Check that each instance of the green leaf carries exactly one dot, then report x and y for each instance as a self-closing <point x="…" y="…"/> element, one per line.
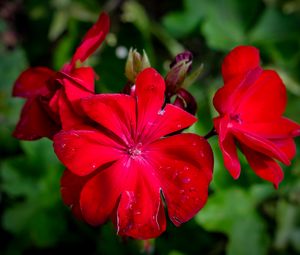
<point x="223" y="27"/>
<point x="274" y="27"/>
<point x="58" y="25"/>
<point x="248" y="237"/>
<point x="233" y="212"/>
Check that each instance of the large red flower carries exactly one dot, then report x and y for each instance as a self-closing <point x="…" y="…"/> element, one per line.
<point x="131" y="166"/>
<point x="251" y="104"/>
<point x="53" y="97"/>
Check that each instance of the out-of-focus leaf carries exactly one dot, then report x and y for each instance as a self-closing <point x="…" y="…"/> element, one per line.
<point x="135" y="13"/>
<point x="58" y="25"/>
<point x="16" y="218"/>
<point x="222" y="27"/>
<point x="179" y="24"/>
<point x="11" y="65"/>
<point x="13" y="183"/>
<point x="233" y="212"/>
<point x="274" y="26"/>
<point x="287" y="217"/>
<point x="248" y="237"/>
<point x="32" y="182"/>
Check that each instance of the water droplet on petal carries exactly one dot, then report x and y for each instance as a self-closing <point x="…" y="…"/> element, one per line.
<point x="186" y="168"/>
<point x="186" y="180"/>
<point x="174" y="176"/>
<point x="194" y="143"/>
<point x="93" y="166"/>
<point x="161" y="112"/>
<point x="192" y="189"/>
<point x="63" y="145"/>
<point x="179" y="125"/>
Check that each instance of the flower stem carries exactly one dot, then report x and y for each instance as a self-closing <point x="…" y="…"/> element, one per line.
<point x="210" y="134"/>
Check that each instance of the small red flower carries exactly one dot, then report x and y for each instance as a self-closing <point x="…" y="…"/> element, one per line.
<point x="251" y="104"/>
<point x="52" y="97"/>
<point x="131" y="166"/>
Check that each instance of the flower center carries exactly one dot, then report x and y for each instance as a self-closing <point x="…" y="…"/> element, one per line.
<point x="135" y="150"/>
<point x="236" y="118"/>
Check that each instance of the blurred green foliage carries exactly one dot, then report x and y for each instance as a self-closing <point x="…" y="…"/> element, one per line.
<point x="243" y="217"/>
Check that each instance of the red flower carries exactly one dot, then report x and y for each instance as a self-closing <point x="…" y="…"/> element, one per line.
<point x="124" y="168"/>
<point x="52" y="97"/>
<point x="251" y="104"/>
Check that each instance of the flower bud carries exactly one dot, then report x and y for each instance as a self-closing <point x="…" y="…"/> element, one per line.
<point x="180" y="67"/>
<point x="135" y="64"/>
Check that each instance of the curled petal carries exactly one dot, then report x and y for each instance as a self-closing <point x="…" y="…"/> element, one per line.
<point x="32" y="82"/>
<point x="261" y="145"/>
<point x="35" y="122"/>
<point x="287" y="146"/>
<point x="280" y="128"/>
<point x="264" y="166"/>
<point x="92" y="39"/>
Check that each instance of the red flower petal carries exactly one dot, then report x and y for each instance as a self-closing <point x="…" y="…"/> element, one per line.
<point x="140" y="212"/>
<point x="228" y="146"/>
<point x="84" y="77"/>
<point x="74" y="94"/>
<point x="261" y="145"/>
<point x="71" y="186"/>
<point x="239" y="61"/>
<point x="150" y="89"/>
<point x="265" y="100"/>
<point x="287" y="146"/>
<point x="277" y="129"/>
<point x="100" y="194"/>
<point x="168" y="120"/>
<point x="83" y="151"/>
<point x="264" y="166"/>
<point x="32" y="82"/>
<point x="229" y="153"/>
<point x="229" y="97"/>
<point x="183" y="164"/>
<point x="35" y="122"/>
<point x="116" y="112"/>
<point x="69" y="118"/>
<point x="92" y="39"/>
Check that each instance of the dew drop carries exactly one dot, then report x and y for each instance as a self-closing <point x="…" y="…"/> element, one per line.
<point x="161" y="112"/>
<point x="192" y="189"/>
<point x="186" y="168"/>
<point x="93" y="166"/>
<point x="63" y="145"/>
<point x="137" y="213"/>
<point x="174" y="176"/>
<point x="194" y="143"/>
<point x="179" y="125"/>
<point x="186" y="180"/>
<point x="182" y="191"/>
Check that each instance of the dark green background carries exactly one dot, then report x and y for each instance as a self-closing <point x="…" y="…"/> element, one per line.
<point x="243" y="217"/>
